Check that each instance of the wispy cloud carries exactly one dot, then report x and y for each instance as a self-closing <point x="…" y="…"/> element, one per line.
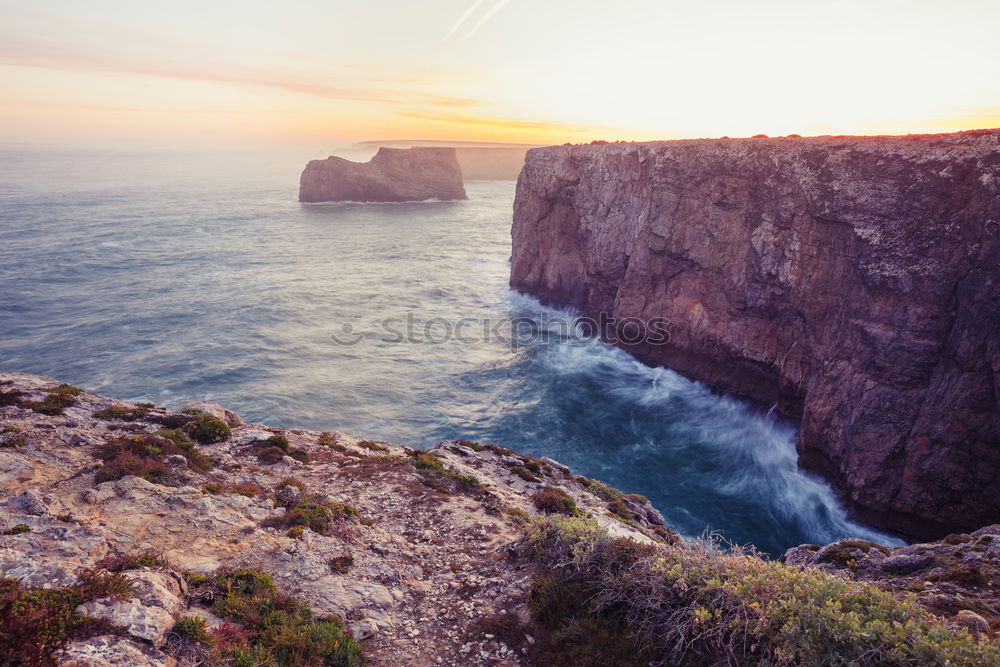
<point x="376" y="89"/>
<point x="462" y="19"/>
<point x="510" y="124"/>
<point x="486" y="17"/>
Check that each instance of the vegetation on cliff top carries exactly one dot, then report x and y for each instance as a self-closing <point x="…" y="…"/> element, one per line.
<point x="264" y="626"/>
<point x="696" y="604"/>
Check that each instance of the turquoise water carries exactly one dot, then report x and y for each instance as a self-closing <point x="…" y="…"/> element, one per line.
<point x="171" y="277"/>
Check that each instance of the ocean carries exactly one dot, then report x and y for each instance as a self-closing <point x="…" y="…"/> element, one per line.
<point x="171" y="276"/>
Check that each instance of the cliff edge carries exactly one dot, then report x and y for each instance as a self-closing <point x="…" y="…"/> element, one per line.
<point x="132" y="534"/>
<point x="393" y="175"/>
<point x="852" y="281"/>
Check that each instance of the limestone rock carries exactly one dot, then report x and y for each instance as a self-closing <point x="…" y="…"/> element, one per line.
<point x="112" y="651"/>
<point x="393" y="175"/>
<point x="150" y="614"/>
<point x="852" y="281"/>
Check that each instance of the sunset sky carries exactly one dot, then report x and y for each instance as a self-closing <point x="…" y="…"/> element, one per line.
<point x="304" y="72"/>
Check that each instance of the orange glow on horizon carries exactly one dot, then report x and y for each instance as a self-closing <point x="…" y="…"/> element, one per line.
<point x="112" y="72"/>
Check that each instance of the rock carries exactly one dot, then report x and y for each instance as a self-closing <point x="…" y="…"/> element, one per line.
<point x="112" y="651"/>
<point x="907" y="564"/>
<point x="974" y="622"/>
<point x="29" y="502"/>
<point x="231" y="418"/>
<point x="852" y="281"/>
<point x="393" y="175"/>
<point x="13" y="469"/>
<point x="150" y="614"/>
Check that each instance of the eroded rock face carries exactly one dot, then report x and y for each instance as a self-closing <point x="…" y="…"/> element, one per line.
<point x="853" y="281"/>
<point x="393" y="175"/>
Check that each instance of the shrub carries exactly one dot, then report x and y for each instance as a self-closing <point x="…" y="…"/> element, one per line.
<point x="295" y="532"/>
<point x="271" y="628"/>
<point x="142" y="456"/>
<point x="207" y="429"/>
<point x="9" y="398"/>
<point x="845" y="551"/>
<point x="279" y="441"/>
<point x="13" y="438"/>
<point x="326" y="439"/>
<point x="193" y="628"/>
<point x="270" y="455"/>
<point x="311" y="511"/>
<point x="553" y="500"/>
<point x="53" y="404"/>
<point x="122" y="413"/>
<point x="524" y="474"/>
<point x="695" y="604"/>
<point x="299" y="455"/>
<point x="36" y="623"/>
<point x="196" y="459"/>
<point x="372" y="445"/>
<point x="17" y="530"/>
<point x="341" y="564"/>
<point x="131" y="561"/>
<point x="442" y="478"/>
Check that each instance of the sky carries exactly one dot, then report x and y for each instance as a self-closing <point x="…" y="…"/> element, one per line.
<point x="332" y="72"/>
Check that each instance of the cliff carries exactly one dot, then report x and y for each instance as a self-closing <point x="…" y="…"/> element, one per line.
<point x="132" y="534"/>
<point x="852" y="281"/>
<point x="393" y="175"/>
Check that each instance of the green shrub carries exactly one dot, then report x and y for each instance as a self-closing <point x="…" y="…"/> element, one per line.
<point x="207" y="429"/>
<point x="142" y="456"/>
<point x="53" y="404"/>
<point x="9" y="398"/>
<point x="372" y="445"/>
<point x="36" y="623"/>
<point x="279" y="441"/>
<point x="553" y="500"/>
<point x="131" y="561"/>
<point x="196" y="459"/>
<point x="193" y="628"/>
<point x="524" y="474"/>
<point x="270" y="455"/>
<point x="120" y="412"/>
<point x="17" y="530"/>
<point x="695" y="604"/>
<point x="341" y="564"/>
<point x="272" y="628"/>
<point x="311" y="511"/>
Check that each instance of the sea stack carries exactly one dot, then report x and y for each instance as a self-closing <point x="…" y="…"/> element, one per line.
<point x="852" y="281"/>
<point x="393" y="175"/>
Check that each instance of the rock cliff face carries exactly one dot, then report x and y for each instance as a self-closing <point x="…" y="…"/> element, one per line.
<point x="853" y="281"/>
<point x="393" y="175"/>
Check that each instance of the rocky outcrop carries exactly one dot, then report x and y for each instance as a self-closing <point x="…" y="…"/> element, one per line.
<point x="852" y="281"/>
<point x="393" y="175"/>
<point x="416" y="568"/>
<point x="956" y="576"/>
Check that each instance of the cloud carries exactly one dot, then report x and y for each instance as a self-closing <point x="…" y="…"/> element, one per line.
<point x="374" y="89"/>
<point x="486" y="17"/>
<point x="462" y="19"/>
<point x="510" y="124"/>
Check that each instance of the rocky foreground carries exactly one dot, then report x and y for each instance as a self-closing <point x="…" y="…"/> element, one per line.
<point x="137" y="535"/>
<point x="854" y="282"/>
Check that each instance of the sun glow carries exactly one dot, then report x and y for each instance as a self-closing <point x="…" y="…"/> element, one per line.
<point x="111" y="71"/>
